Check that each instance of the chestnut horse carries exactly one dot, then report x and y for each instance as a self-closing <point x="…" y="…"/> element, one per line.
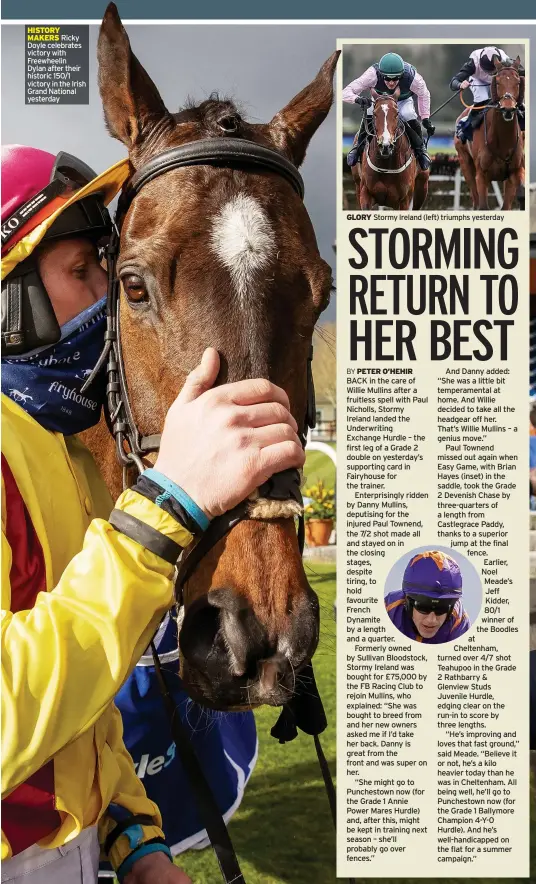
<point x="388" y="174"/>
<point x="497" y="152"/>
<point x="223" y="257"/>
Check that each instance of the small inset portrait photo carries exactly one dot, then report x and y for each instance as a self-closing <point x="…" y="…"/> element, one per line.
<point x="433" y="124"/>
<point x="433" y="595"/>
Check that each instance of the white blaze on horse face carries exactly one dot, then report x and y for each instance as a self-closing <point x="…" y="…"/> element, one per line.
<point x="244" y="240"/>
<point x="386" y="134"/>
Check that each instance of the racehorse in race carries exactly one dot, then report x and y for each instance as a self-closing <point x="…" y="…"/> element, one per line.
<point x="388" y="174"/>
<point x="497" y="149"/>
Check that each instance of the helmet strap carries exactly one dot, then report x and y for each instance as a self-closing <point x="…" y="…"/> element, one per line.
<point x="28" y="318"/>
<point x="12" y="225"/>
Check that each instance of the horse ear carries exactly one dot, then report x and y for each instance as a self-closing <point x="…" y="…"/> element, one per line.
<point x="517" y="63"/>
<point x="375" y="95"/>
<point x="497" y="62"/>
<point x="396" y="93"/>
<point x="294" y="126"/>
<point x="131" y="101"/>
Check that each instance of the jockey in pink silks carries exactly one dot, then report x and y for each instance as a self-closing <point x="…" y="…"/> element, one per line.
<point x="476" y="74"/>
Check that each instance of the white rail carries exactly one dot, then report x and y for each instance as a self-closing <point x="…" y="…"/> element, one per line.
<point x="456" y="193"/>
<point x="321" y="446"/>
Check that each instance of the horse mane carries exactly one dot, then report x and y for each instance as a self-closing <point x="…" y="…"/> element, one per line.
<point x="213" y="114"/>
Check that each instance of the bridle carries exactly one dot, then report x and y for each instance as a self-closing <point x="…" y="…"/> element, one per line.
<point x="131" y="446"/>
<point x="224" y="152"/>
<point x="398" y="133"/>
<point x="305" y="709"/>
<point x="495" y="104"/>
<point x="497" y="99"/>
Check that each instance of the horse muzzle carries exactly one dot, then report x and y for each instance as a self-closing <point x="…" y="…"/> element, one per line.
<point x="508" y="110"/>
<point x="229" y="661"/>
<point x="386" y="149"/>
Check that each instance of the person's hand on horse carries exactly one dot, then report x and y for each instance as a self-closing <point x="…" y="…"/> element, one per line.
<point x="220" y="444"/>
<point x="363" y="102"/>
<point x="155" y="868"/>
<point x="429" y="126"/>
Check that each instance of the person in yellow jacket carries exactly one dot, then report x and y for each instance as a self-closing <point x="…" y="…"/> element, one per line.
<point x="80" y="598"/>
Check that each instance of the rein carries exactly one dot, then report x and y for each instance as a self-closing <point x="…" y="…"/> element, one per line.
<point x="495" y="104"/>
<point x="388" y="171"/>
<point x="508" y="159"/>
<point x="305" y="709"/>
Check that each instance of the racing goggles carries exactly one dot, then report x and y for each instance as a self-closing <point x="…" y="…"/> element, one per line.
<point x="68" y="175"/>
<point x="424" y="604"/>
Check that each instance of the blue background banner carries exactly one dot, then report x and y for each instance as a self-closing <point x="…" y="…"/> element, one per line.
<point x="388" y="10"/>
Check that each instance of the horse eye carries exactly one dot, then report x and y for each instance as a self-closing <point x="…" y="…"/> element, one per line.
<point x="134" y="288"/>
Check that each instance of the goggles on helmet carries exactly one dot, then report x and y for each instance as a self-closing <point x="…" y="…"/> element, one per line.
<point x="426" y="605"/>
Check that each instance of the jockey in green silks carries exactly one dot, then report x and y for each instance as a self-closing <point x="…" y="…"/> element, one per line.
<point x="386" y="76"/>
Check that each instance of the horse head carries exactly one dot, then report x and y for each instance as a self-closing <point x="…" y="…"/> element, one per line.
<point x="507" y="87"/>
<point x="386" y="122"/>
<point x="223" y="257"/>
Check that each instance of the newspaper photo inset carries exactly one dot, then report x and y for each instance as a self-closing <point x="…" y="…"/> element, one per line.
<point x="432" y="369"/>
<point x="422" y="110"/>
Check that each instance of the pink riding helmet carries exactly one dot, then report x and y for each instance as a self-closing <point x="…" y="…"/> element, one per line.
<point x="25" y="171"/>
<point x="35" y="184"/>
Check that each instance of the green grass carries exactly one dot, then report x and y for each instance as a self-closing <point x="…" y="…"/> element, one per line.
<point x="450" y="149"/>
<point x="319" y="466"/>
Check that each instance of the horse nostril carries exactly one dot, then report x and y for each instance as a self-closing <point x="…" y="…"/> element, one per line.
<point x="245" y="639"/>
<point x="199" y="631"/>
<point x="220" y="632"/>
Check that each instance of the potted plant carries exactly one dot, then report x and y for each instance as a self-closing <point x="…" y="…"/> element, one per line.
<point x="319" y="513"/>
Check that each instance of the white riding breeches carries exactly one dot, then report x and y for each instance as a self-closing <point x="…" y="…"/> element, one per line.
<point x="406" y="109"/>
<point x="77" y="862"/>
<point x="481" y="91"/>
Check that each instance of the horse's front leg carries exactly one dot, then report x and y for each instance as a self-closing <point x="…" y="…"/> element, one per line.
<point x="357" y="184"/>
<point x="511" y="186"/>
<point x="365" y="198"/>
<point x="469" y="173"/>
<point x="482" y="186"/>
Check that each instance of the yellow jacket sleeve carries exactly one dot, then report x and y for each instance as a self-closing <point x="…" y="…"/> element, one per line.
<point x="129" y="793"/>
<point x="65" y="659"/>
